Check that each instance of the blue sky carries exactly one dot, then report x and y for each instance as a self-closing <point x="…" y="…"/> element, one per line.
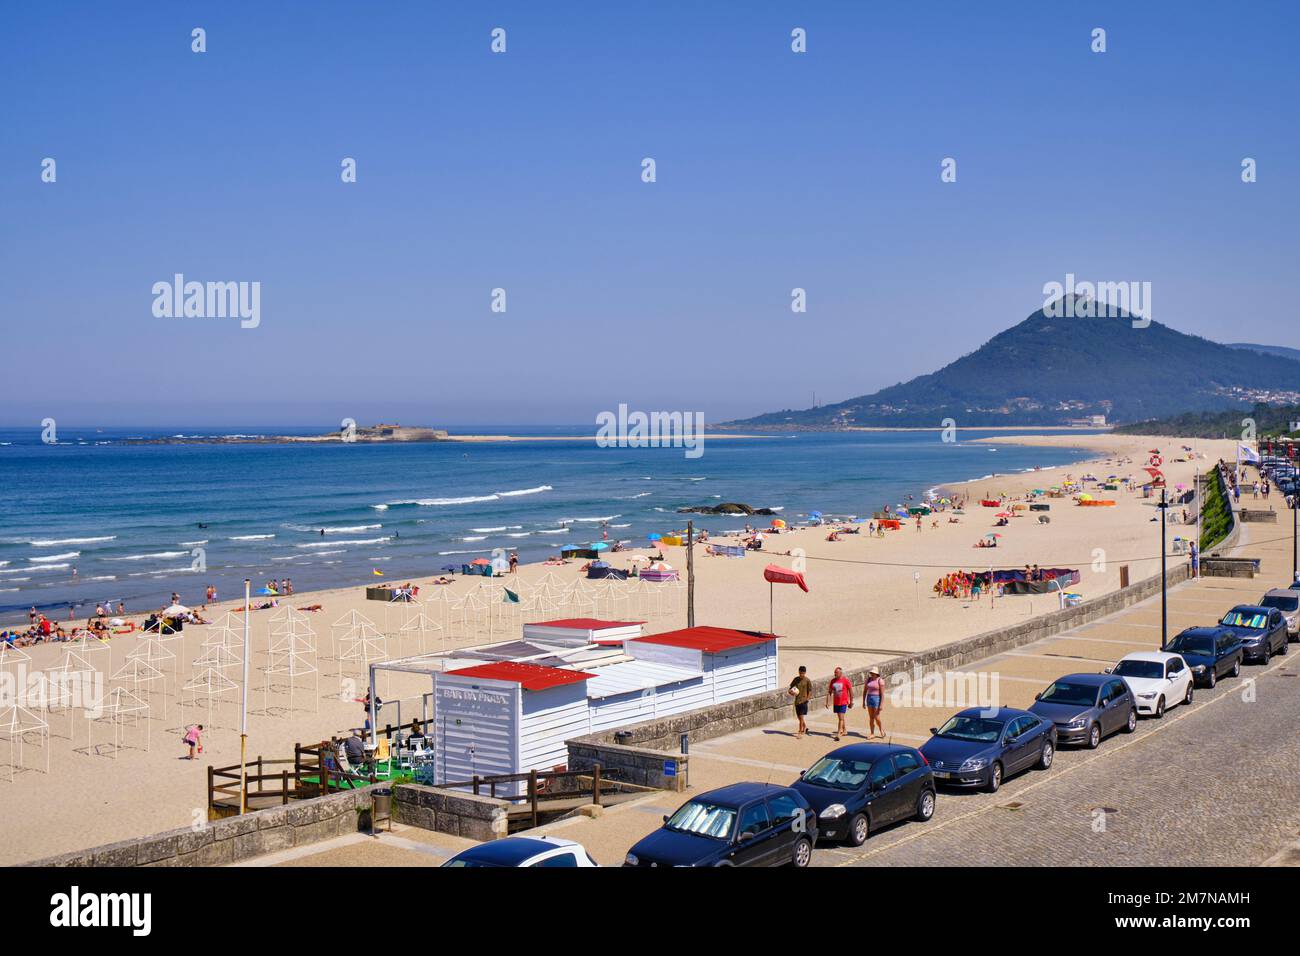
<point x="522" y="171"/>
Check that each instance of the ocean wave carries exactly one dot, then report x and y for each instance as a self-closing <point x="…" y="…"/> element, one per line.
<point x="321" y="554"/>
<point x="481" y="537"/>
<point x="154" y="554"/>
<point x="592" y="520"/>
<point x="525" y="491"/>
<point x="145" y="574"/>
<point x="620" y="526"/>
<point x="335" y="544"/>
<point x="192" y="544"/>
<point x="337" y="529"/>
<point x="504" y="527"/>
<point x="380" y="507"/>
<point x="643" y="494"/>
<point x="519" y="534"/>
<point x="553" y="531"/>
<point x="479" y="551"/>
<point x="251" y="537"/>
<point x="440" y="502"/>
<point x="56" y="542"/>
<point x="103" y="577"/>
<point x="56" y="557"/>
<point x="35" y="568"/>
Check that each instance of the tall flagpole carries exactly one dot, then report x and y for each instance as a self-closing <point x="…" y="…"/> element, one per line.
<point x="243" y="708"/>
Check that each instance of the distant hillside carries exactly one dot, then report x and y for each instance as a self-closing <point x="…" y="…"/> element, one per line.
<point x="1280" y="350"/>
<point x="1046" y="371"/>
<point x="1269" y="420"/>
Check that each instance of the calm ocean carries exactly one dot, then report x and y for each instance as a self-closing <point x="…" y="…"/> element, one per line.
<point x="127" y="519"/>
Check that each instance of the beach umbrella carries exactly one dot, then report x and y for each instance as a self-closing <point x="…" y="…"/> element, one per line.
<point x="1085" y="497"/>
<point x="480" y="561"/>
<point x="993" y="534"/>
<point x="814" y="514"/>
<point x="176" y="609"/>
<point x="599" y="546"/>
<point x="778" y="523"/>
<point x="654" y="536"/>
<point x="264" y="592"/>
<point x="1003" y="514"/>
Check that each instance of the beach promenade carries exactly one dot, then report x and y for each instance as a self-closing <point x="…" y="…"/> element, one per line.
<point x="1210" y="784"/>
<point x="866" y="605"/>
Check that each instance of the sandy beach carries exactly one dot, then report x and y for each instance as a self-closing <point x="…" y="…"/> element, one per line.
<point x="866" y="604"/>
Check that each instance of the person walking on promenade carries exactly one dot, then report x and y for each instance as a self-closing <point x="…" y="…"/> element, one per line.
<point x="839" y="697"/>
<point x="801" y="691"/>
<point x="873" y="698"/>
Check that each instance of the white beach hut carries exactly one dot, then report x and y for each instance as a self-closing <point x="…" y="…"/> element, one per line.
<point x="583" y="630"/>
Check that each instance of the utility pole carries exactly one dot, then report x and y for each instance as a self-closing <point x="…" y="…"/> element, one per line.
<point x="690" y="573"/>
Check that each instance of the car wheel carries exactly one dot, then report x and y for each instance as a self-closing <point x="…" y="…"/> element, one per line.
<point x="1094" y="736"/>
<point x="1132" y="721"/>
<point x="802" y="853"/>
<point x="1211" y="677"/>
<point x="1236" y="667"/>
<point x="1160" y="707"/>
<point x="995" y="777"/>
<point x="1046" y="756"/>
<point x="1188" y="698"/>
<point x="925" y="806"/>
<point x="1281" y="648"/>
<point x="859" y="830"/>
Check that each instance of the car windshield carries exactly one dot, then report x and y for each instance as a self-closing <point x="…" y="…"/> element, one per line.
<point x="1245" y="619"/>
<point x="976" y="729"/>
<point x="1147" y="669"/>
<point x="704" y="819"/>
<point x="1074" y="695"/>
<point x="837" y="773"/>
<point x="1191" y="644"/>
<point x="1282" y="603"/>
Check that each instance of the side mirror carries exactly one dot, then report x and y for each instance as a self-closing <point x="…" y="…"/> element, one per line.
<point x="747" y="835"/>
<point x="1106" y="670"/>
<point x="1012" y="740"/>
<point x="935" y="731"/>
<point x="1038" y="696"/>
<point x="665" y="818"/>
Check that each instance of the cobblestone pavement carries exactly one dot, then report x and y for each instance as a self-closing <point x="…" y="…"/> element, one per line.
<point x="1213" y="784"/>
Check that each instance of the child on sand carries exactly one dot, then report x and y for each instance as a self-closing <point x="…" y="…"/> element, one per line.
<point x="193" y="739"/>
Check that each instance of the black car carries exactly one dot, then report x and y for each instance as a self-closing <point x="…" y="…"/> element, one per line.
<point x="1261" y="630"/>
<point x="858" y="789"/>
<point x="980" y="747"/>
<point x="1211" y="652"/>
<point x="745" y="824"/>
<point x="1087" y="707"/>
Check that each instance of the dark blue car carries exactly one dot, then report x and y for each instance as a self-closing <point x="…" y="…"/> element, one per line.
<point x="1261" y="630"/>
<point x="1211" y="652"/>
<point x="980" y="747"/>
<point x="858" y="789"/>
<point x="745" y="824"/>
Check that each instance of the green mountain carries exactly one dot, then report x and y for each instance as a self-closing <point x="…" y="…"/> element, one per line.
<point x="1048" y="371"/>
<point x="1270" y="420"/>
<point x="1281" y="350"/>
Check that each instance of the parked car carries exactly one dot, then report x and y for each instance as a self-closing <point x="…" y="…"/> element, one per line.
<point x="858" y="789"/>
<point x="1211" y="652"/>
<point x="1261" y="630"/>
<point x="745" y="824"/>
<point x="1087" y="707"/>
<point x="542" y="851"/>
<point x="1286" y="600"/>
<point x="980" y="748"/>
<point x="1159" y="680"/>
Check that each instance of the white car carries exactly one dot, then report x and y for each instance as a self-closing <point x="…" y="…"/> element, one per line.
<point x="1286" y="600"/>
<point x="541" y="851"/>
<point x="1158" y="680"/>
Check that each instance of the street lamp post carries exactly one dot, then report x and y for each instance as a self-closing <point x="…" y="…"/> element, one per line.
<point x="1164" y="595"/>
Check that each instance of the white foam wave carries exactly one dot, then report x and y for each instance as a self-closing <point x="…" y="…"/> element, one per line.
<point x="153" y="554"/>
<point x="56" y="557"/>
<point x="335" y="544"/>
<point x="251" y="537"/>
<point x="56" y="542"/>
<point x="525" y="491"/>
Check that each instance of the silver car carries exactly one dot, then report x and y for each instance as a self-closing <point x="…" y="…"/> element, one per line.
<point x="1286" y="600"/>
